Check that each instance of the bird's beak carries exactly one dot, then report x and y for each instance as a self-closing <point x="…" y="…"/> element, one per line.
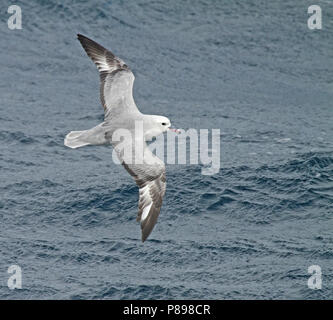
<point x="175" y="130"/>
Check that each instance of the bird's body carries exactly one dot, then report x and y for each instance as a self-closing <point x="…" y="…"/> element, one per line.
<point x="122" y="115"/>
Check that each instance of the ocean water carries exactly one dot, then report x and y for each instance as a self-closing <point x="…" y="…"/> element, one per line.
<point x="252" y="69"/>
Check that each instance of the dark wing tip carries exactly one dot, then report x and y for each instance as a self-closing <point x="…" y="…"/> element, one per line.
<point x="91" y="47"/>
<point x="144" y="237"/>
<point x="83" y="38"/>
<point x="148" y="225"/>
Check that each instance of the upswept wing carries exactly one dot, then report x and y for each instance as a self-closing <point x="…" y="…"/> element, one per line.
<point x="116" y="79"/>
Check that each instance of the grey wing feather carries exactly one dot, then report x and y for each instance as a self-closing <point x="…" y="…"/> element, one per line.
<point x="116" y="79"/>
<point x="150" y="178"/>
<point x="150" y="203"/>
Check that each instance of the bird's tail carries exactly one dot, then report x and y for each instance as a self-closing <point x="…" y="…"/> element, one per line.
<point x="77" y="139"/>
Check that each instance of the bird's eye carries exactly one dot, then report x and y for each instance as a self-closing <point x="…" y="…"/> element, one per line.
<point x="163" y="124"/>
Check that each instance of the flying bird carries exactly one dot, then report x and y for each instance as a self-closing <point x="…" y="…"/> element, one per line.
<point x="121" y="112"/>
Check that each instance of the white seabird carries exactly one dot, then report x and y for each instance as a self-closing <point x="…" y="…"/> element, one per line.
<point x="121" y="112"/>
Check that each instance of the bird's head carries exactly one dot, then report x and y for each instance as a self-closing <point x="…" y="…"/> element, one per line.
<point x="157" y="125"/>
<point x="162" y="123"/>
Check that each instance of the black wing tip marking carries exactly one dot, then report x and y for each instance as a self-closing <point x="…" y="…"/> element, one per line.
<point x="148" y="226"/>
<point x="95" y="51"/>
<point x="80" y="36"/>
<point x="91" y="47"/>
<point x="83" y="38"/>
<point x="149" y="223"/>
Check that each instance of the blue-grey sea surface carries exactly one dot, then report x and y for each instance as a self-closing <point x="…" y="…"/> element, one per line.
<point x="252" y="69"/>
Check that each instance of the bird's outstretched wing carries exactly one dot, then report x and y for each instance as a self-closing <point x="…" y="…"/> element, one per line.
<point x="150" y="178"/>
<point x="116" y="79"/>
